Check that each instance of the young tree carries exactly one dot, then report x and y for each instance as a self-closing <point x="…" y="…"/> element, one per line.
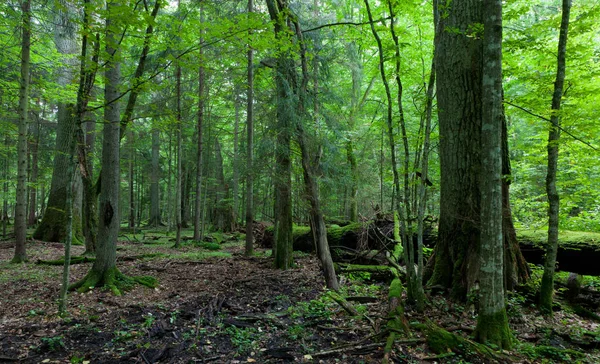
<point x="21" y="206"/>
<point x="547" y="286"/>
<point x="492" y="322"/>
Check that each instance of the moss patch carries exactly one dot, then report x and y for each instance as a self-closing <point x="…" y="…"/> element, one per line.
<point x="493" y="329"/>
<point x="539" y="237"/>
<point x="113" y="280"/>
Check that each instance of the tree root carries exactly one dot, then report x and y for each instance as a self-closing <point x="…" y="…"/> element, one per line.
<point x="112" y="279"/>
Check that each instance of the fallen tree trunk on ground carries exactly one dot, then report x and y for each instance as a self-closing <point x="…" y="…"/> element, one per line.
<point x="578" y="252"/>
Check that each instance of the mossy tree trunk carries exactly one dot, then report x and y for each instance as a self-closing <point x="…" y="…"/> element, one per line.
<point x="458" y="58"/>
<point x="104" y="271"/>
<point x="492" y="322"/>
<point x="547" y="286"/>
<point x="52" y="226"/>
<point x="199" y="141"/>
<point x="21" y="203"/>
<point x="286" y="85"/>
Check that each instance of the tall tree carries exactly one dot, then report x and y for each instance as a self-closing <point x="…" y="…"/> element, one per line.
<point x="199" y="127"/>
<point x="21" y="206"/>
<point x="52" y="226"/>
<point x="104" y="271"/>
<point x="286" y="85"/>
<point x="492" y="322"/>
<point x="547" y="286"/>
<point x="248" y="250"/>
<point x="155" y="219"/>
<point x="458" y="59"/>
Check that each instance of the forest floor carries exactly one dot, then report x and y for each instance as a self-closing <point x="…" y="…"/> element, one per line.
<point x="218" y="306"/>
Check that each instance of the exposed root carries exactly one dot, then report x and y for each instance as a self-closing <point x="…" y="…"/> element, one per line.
<point x="113" y="280"/>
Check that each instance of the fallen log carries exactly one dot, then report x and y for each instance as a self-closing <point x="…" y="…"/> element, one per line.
<point x="578" y="252"/>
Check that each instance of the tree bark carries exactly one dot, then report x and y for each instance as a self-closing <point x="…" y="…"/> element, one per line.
<point x="286" y="83"/>
<point x="52" y="226"/>
<point x="199" y="127"/>
<point x="458" y="59"/>
<point x="21" y="203"/>
<point x="104" y="271"/>
<point x="179" y="156"/>
<point x="249" y="247"/>
<point x="492" y="322"/>
<point x="155" y="219"/>
<point x="35" y="141"/>
<point x="547" y="286"/>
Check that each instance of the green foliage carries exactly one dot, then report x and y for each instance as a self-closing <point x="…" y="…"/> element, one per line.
<point x="53" y="343"/>
<point x="243" y="339"/>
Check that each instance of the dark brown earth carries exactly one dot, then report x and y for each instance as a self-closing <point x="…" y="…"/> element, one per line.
<point x="223" y="309"/>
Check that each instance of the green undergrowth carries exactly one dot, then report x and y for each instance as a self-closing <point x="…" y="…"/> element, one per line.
<point x="113" y="280"/>
<point x="199" y="255"/>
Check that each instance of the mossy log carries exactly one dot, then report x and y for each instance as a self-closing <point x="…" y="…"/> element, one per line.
<point x="578" y="252"/>
<point x="396" y="323"/>
<point x="441" y="341"/>
<point x="377" y="272"/>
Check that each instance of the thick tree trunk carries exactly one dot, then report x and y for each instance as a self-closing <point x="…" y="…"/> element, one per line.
<point x="21" y="206"/>
<point x="492" y="322"/>
<point x="459" y="80"/>
<point x="547" y="286"/>
<point x="249" y="247"/>
<point x="52" y="226"/>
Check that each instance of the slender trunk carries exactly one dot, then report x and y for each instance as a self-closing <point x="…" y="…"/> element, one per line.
<point x="179" y="156"/>
<point x="235" y="179"/>
<point x="62" y="300"/>
<point x="248" y="251"/>
<point x="547" y="286"/>
<point x="199" y="126"/>
<point x="32" y="218"/>
<point x="317" y="221"/>
<point x="154" y="180"/>
<point x="21" y="207"/>
<point x="131" y="162"/>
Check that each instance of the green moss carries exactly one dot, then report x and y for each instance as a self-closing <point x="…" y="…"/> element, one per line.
<point x="113" y="280"/>
<point x="494" y="330"/>
<point x="396" y="289"/>
<point x="566" y="238"/>
<point x="558" y="354"/>
<point x="441" y="341"/>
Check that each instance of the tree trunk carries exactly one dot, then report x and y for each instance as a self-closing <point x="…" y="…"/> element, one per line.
<point x="547" y="286"/>
<point x="458" y="59"/>
<point x="130" y="165"/>
<point x="35" y="141"/>
<point x="104" y="271"/>
<point x="492" y="322"/>
<point x="286" y="83"/>
<point x="199" y="127"/>
<point x="249" y="247"/>
<point x="155" y="219"/>
<point x="179" y="156"/>
<point x="21" y="206"/>
<point x="52" y="226"/>
<point x="317" y="222"/>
